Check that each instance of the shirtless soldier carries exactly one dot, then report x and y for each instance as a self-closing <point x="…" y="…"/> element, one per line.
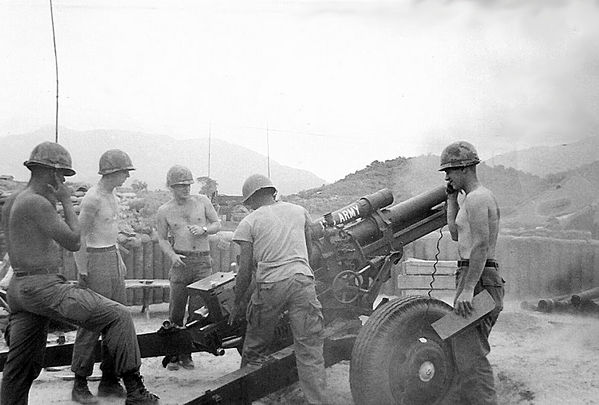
<point x="189" y="219"/>
<point x="38" y="292"/>
<point x="473" y="220"/>
<point x="101" y="269"/>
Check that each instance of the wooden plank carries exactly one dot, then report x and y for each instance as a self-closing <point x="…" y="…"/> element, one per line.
<point x="452" y="323"/>
<point x="420" y="282"/>
<point x="417" y="266"/>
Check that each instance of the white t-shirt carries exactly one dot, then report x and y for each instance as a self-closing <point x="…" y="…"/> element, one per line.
<point x="277" y="232"/>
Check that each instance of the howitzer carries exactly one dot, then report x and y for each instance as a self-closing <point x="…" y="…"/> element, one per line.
<point x="396" y="356"/>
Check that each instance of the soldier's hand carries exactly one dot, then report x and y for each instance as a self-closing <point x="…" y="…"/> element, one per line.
<point x="196" y="230"/>
<point x="450" y="191"/>
<point x="178" y="260"/>
<point x="463" y="303"/>
<point x="60" y="190"/>
<point x="82" y="281"/>
<point x="234" y="314"/>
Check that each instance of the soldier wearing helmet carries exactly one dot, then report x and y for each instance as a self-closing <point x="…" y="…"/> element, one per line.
<point x="38" y="292"/>
<point x="100" y="268"/>
<point x="189" y="219"/>
<point x="473" y="221"/>
<point x="276" y="237"/>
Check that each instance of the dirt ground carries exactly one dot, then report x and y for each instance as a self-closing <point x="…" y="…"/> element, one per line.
<point x="541" y="359"/>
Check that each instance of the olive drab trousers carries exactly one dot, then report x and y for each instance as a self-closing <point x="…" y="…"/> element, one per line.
<point x="106" y="276"/>
<point x="180" y="301"/>
<point x="33" y="301"/>
<point x="476" y="383"/>
<point x="297" y="295"/>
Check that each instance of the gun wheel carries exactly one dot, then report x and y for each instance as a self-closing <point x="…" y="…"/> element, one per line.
<point x="399" y="359"/>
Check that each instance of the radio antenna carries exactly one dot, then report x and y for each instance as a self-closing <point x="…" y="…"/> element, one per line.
<point x="56" y="64"/>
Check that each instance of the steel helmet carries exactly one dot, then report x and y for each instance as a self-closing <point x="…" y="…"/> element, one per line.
<point x="114" y="160"/>
<point x="459" y="154"/>
<point x="178" y="175"/>
<point x="254" y="183"/>
<point x="52" y="155"/>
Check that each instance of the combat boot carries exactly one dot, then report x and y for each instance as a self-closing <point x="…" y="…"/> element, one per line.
<point x="111" y="387"/>
<point x="81" y="392"/>
<point x="137" y="394"/>
<point x="186" y="362"/>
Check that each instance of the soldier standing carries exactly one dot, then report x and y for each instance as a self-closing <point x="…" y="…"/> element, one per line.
<point x="101" y="269"/>
<point x="473" y="222"/>
<point x="276" y="237"/>
<point x="189" y="219"/>
<point x="38" y="292"/>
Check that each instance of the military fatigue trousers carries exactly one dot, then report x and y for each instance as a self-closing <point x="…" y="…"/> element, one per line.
<point x="297" y="295"/>
<point x="476" y="383"/>
<point x="106" y="276"/>
<point x="33" y="301"/>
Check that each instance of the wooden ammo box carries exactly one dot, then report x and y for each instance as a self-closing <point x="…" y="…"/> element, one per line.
<point x="217" y="292"/>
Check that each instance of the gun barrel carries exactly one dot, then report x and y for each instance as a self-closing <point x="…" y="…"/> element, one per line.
<point x="405" y="212"/>
<point x="358" y="209"/>
<point x="399" y="216"/>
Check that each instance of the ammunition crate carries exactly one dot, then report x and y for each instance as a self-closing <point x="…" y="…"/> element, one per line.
<point x="217" y="291"/>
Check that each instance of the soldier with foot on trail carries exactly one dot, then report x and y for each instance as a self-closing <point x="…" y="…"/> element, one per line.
<point x="101" y="269"/>
<point x="189" y="219"/>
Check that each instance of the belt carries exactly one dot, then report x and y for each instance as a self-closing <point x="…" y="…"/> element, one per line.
<point x="100" y="249"/>
<point x="18" y="272"/>
<point x="488" y="263"/>
<point x="192" y="253"/>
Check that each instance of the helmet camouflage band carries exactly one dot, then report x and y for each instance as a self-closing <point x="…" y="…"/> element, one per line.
<point x="51" y="155"/>
<point x="254" y="183"/>
<point x="459" y="154"/>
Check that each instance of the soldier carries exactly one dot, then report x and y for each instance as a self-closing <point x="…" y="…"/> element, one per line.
<point x="473" y="220"/>
<point x="276" y="237"/>
<point x="190" y="219"/>
<point x="101" y="269"/>
<point x="38" y="292"/>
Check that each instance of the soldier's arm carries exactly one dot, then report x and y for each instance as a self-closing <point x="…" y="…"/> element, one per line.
<point x="89" y="209"/>
<point x="452" y="208"/>
<point x="244" y="274"/>
<point x="162" y="231"/>
<point x="213" y="221"/>
<point x="66" y="233"/>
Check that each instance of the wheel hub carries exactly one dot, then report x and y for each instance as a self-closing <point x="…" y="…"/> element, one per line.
<point x="421" y="372"/>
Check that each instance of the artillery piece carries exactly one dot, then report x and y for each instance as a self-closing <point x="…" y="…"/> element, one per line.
<point x="396" y="356"/>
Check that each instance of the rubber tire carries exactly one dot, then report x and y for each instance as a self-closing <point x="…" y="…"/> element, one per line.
<point x="380" y="372"/>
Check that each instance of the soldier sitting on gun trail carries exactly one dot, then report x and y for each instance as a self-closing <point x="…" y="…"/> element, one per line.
<point x="38" y="292"/>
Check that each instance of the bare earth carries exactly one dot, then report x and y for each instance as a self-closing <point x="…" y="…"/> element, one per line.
<point x="541" y="359"/>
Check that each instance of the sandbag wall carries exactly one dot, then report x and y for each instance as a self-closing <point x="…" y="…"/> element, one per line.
<point x="147" y="261"/>
<point x="531" y="266"/>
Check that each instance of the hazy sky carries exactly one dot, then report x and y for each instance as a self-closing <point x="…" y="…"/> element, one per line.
<point x="332" y="85"/>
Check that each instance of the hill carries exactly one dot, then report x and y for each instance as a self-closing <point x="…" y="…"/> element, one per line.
<point x="153" y="155"/>
<point x="545" y="160"/>
<point x="408" y="177"/>
<point x="564" y="201"/>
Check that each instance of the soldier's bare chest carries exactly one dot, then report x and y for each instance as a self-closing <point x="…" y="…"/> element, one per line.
<point x="181" y="216"/>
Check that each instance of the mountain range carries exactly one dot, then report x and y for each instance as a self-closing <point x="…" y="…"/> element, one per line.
<point x="152" y="156"/>
<point x="545" y="160"/>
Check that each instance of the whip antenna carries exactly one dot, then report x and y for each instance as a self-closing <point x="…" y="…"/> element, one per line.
<point x="56" y="64"/>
